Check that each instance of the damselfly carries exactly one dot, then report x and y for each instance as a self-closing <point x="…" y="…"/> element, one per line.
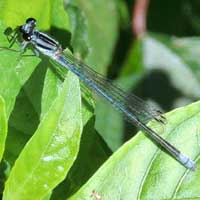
<point x="134" y="109"/>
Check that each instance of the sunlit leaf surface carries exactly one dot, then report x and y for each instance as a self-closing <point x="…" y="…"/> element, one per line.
<point x="139" y="169"/>
<point x="49" y="154"/>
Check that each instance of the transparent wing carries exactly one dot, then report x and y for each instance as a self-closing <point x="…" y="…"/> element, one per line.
<point x="126" y="102"/>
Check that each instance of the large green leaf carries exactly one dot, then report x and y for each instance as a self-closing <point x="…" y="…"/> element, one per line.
<point x="3" y="127"/>
<point x="141" y="170"/>
<point x="47" y="12"/>
<point x="29" y="109"/>
<point x="92" y="149"/>
<point x="18" y="76"/>
<point x="14" y="72"/>
<point x="15" y="13"/>
<point x="94" y="33"/>
<point x="47" y="157"/>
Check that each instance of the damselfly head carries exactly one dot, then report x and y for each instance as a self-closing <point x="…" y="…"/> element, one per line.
<point x="28" y="28"/>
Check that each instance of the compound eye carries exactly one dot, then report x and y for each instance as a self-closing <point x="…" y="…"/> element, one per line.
<point x="31" y="20"/>
<point x="26" y="36"/>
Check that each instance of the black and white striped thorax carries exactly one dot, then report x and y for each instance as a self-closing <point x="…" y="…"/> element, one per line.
<point x="41" y="41"/>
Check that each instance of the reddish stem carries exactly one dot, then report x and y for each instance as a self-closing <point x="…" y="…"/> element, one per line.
<point x="139" y="17"/>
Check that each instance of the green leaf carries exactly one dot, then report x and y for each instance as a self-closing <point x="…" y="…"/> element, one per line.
<point x="46" y="12"/>
<point x="14" y="72"/>
<point x="15" y="13"/>
<point x="94" y="32"/>
<point x="19" y="78"/>
<point x="141" y="170"/>
<point x="109" y="124"/>
<point x="178" y="58"/>
<point x="133" y="67"/>
<point x="3" y="127"/>
<point x="59" y="17"/>
<point x="92" y="149"/>
<point x="47" y="157"/>
<point x="28" y="111"/>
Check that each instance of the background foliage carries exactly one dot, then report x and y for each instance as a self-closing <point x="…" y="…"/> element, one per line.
<point x="55" y="140"/>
